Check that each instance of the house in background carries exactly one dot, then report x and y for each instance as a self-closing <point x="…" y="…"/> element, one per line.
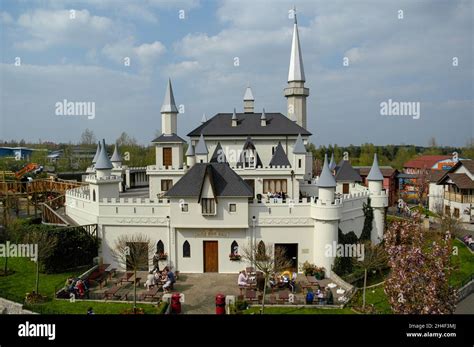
<point x="390" y="180"/>
<point x="458" y="191"/>
<point x="417" y="174"/>
<point x="19" y="153"/>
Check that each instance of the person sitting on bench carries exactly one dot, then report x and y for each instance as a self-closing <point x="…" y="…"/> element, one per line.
<point x="170" y="279"/>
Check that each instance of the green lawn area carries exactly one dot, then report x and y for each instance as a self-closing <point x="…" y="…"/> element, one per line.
<point x="15" y="286"/>
<point x="464" y="264"/>
<point x="298" y="310"/>
<point x="374" y="296"/>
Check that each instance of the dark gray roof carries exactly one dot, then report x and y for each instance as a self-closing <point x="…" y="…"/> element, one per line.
<point x="224" y="180"/>
<point x="190" y="150"/>
<point x="201" y="147"/>
<point x="345" y="172"/>
<point x="218" y="156"/>
<point x="169" y="105"/>
<point x="249" y="125"/>
<point x="279" y="157"/>
<point x="375" y="174"/>
<point x="116" y="157"/>
<point x="326" y="179"/>
<point x="332" y="162"/>
<point x="103" y="162"/>
<point x="299" y="146"/>
<point x="173" y="138"/>
<point x="97" y="152"/>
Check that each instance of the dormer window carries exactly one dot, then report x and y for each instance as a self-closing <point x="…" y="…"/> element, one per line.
<point x="249" y="159"/>
<point x="208" y="207"/>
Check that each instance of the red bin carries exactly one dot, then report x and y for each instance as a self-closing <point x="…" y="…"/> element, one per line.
<point x="175" y="303"/>
<point x="220" y="304"/>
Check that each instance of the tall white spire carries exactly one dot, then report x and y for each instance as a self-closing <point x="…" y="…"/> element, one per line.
<point x="169" y="105"/>
<point x="296" y="71"/>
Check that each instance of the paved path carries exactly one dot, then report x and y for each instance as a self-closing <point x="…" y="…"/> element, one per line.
<point x="466" y="306"/>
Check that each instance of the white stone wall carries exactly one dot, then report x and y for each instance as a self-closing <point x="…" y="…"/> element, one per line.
<point x="435" y="197"/>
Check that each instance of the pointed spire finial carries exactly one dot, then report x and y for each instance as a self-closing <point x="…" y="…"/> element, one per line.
<point x="332" y="162"/>
<point x="296" y="71"/>
<point x="234" y="115"/>
<point x="326" y="179"/>
<point x="169" y="104"/>
<point x="375" y="174"/>
<point x="203" y="119"/>
<point x="116" y="157"/>
<point x="294" y="14"/>
<point x="263" y="117"/>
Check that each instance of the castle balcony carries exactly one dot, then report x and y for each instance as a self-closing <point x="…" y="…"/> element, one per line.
<point x="327" y="211"/>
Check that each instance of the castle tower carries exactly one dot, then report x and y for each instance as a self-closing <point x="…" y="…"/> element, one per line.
<point x="103" y="184"/>
<point x="326" y="213"/>
<point x="169" y="112"/>
<point x="118" y="169"/>
<point x="378" y="201"/>
<point x="296" y="93"/>
<point x="201" y="152"/>
<point x="190" y="157"/>
<point x="91" y="169"/>
<point x="299" y="151"/>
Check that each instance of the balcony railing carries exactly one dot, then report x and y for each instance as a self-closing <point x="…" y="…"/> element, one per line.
<point x="456" y="197"/>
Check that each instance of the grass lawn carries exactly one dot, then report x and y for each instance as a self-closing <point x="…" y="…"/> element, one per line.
<point x="298" y="310"/>
<point x="14" y="287"/>
<point x="464" y="264"/>
<point x="376" y="297"/>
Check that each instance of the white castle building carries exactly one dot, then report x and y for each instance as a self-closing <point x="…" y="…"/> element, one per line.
<point x="245" y="178"/>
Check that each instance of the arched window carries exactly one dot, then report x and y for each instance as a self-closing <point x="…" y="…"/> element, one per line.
<point x="186" y="249"/>
<point x="160" y="247"/>
<point x="261" y="249"/>
<point x="93" y="195"/>
<point x="234" y="248"/>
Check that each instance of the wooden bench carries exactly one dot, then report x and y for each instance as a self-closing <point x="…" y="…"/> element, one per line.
<point x="151" y="293"/>
<point x="125" y="278"/>
<point x="112" y="292"/>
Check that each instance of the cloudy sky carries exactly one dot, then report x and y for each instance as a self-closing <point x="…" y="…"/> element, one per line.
<point x="409" y="59"/>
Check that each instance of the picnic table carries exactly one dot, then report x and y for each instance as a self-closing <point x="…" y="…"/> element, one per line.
<point x="125" y="278"/>
<point x="112" y="292"/>
<point x="151" y="293"/>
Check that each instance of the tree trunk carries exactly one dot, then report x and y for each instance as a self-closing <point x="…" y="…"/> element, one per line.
<point x="37" y="275"/>
<point x="135" y="291"/>
<point x="365" y="285"/>
<point x="5" y="269"/>
<point x="264" y="294"/>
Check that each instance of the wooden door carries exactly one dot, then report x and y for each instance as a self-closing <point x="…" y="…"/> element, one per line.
<point x="211" y="258"/>
<point x="167" y="158"/>
<point x="345" y="188"/>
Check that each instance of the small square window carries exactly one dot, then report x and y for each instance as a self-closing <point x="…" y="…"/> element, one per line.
<point x="184" y="208"/>
<point x="232" y="208"/>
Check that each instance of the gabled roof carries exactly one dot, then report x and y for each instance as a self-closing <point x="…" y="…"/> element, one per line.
<point x="168" y="138"/>
<point x="169" y="105"/>
<point x="326" y="179"/>
<point x="375" y="174"/>
<point x="248" y="145"/>
<point x="218" y="156"/>
<point x="249" y="125"/>
<point x="435" y="175"/>
<point x="116" y="157"/>
<point x="224" y="180"/>
<point x="299" y="147"/>
<point x="248" y="96"/>
<point x="425" y="161"/>
<point x="103" y="162"/>
<point x="468" y="164"/>
<point x="279" y="157"/>
<point x="201" y="147"/>
<point x="460" y="180"/>
<point x="345" y="172"/>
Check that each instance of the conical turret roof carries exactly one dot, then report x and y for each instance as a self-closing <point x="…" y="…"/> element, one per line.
<point x="326" y="179"/>
<point x="103" y="163"/>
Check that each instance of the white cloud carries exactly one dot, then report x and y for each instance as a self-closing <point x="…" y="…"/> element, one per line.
<point x="45" y="28"/>
<point x="6" y="18"/>
<point x="146" y="54"/>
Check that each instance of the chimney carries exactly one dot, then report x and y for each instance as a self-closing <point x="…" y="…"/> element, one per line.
<point x="234" y="119"/>
<point x="248" y="101"/>
<point x="263" y="119"/>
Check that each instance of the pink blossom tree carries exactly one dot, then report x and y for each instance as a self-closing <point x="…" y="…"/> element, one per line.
<point x="418" y="282"/>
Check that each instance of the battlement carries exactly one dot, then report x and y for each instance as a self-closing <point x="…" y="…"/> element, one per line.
<point x="165" y="168"/>
<point x="94" y="178"/>
<point x="134" y="201"/>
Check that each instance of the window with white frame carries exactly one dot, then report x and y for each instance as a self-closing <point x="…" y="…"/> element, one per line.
<point x="232" y="208"/>
<point x="184" y="207"/>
